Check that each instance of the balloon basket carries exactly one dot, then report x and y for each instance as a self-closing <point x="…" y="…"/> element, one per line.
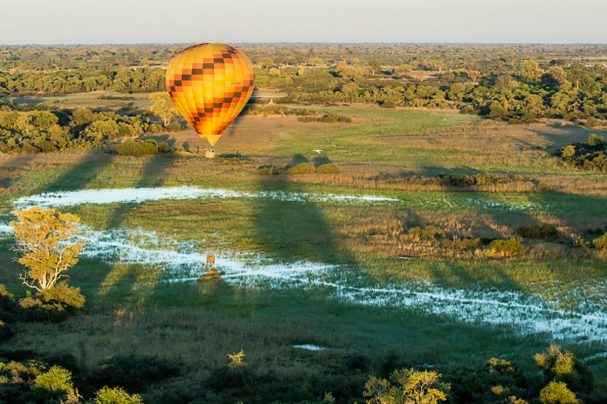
<point x="210" y="154"/>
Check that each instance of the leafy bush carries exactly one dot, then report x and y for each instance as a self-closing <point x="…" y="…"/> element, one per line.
<point x="175" y="126"/>
<point x="16" y="378"/>
<point x="563" y="366"/>
<point x="326" y="118"/>
<point x="596" y="140"/>
<point x="427" y="233"/>
<point x="64" y="294"/>
<point x="137" y="148"/>
<point x="164" y="147"/>
<point x="557" y="393"/>
<point x="408" y="386"/>
<point x="55" y="380"/>
<point x="33" y="307"/>
<point x="53" y="304"/>
<point x="387" y="104"/>
<point x="301" y="168"/>
<point x="537" y="231"/>
<point x="600" y="243"/>
<point x="329" y="168"/>
<point x="30" y="382"/>
<point x="116" y="395"/>
<point x="462" y="244"/>
<point x="591" y="155"/>
<point x="510" y="247"/>
<point x="497" y="381"/>
<point x="268" y="170"/>
<point x="233" y="157"/>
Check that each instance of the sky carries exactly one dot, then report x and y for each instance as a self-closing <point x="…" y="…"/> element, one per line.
<point x="241" y="21"/>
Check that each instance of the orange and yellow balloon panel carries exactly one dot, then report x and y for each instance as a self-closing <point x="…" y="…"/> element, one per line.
<point x="210" y="84"/>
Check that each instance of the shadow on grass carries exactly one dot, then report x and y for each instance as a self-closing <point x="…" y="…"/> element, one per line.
<point x="119" y="278"/>
<point x="295" y="230"/>
<point x="80" y="174"/>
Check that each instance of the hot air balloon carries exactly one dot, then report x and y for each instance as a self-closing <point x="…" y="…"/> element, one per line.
<point x="210" y="84"/>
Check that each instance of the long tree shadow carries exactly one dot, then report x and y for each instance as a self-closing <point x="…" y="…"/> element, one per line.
<point x="119" y="278"/>
<point x="79" y="175"/>
<point x="295" y="230"/>
<point x="12" y="164"/>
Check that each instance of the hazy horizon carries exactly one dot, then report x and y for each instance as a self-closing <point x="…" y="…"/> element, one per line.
<point x="71" y="22"/>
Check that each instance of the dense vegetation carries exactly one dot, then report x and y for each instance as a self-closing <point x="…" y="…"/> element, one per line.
<point x="484" y="208"/>
<point x="590" y="155"/>
<point x="515" y="83"/>
<point x="48" y="131"/>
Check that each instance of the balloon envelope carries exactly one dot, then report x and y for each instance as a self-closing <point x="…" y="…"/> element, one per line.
<point x="210" y="84"/>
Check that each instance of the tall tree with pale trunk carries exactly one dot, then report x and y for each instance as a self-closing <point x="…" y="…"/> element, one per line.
<point x="45" y="240"/>
<point x="163" y="107"/>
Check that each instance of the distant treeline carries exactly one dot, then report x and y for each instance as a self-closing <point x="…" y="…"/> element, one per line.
<point x="512" y="82"/>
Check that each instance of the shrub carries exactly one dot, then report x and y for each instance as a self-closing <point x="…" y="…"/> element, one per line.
<point x="33" y="307"/>
<point x="137" y="148"/>
<point x="301" y="168"/>
<point x="596" y="140"/>
<point x="53" y="304"/>
<point x="55" y="380"/>
<point x="329" y="168"/>
<point x="462" y="244"/>
<point x="408" y="386"/>
<point x="116" y="395"/>
<point x="563" y="366"/>
<point x="174" y="126"/>
<point x="326" y="118"/>
<point x="568" y="151"/>
<point x="427" y="233"/>
<point x="497" y="381"/>
<point x="557" y="393"/>
<point x="234" y="157"/>
<point x="600" y="243"/>
<point x="268" y="170"/>
<point x="164" y="147"/>
<point x="537" y="231"/>
<point x="388" y="104"/>
<point x="510" y="247"/>
<point x="16" y="378"/>
<point x="64" y="294"/>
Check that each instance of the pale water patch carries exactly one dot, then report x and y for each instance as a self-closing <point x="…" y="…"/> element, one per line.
<point x="309" y="347"/>
<point x="182" y="262"/>
<point x="139" y="195"/>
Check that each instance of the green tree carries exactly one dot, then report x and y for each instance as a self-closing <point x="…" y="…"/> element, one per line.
<point x="45" y="240"/>
<point x="557" y="393"/>
<point x="596" y="140"/>
<point x="116" y="395"/>
<point x="531" y="70"/>
<point x="58" y="381"/>
<point x="163" y="107"/>
<point x="275" y="72"/>
<point x="562" y="366"/>
<point x="407" y="386"/>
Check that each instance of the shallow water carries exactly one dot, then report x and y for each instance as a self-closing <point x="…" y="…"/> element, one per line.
<point x="185" y="262"/>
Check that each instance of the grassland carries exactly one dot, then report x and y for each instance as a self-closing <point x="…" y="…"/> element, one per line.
<point x="134" y="308"/>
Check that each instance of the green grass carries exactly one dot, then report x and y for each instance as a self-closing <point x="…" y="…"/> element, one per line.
<point x="128" y="312"/>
